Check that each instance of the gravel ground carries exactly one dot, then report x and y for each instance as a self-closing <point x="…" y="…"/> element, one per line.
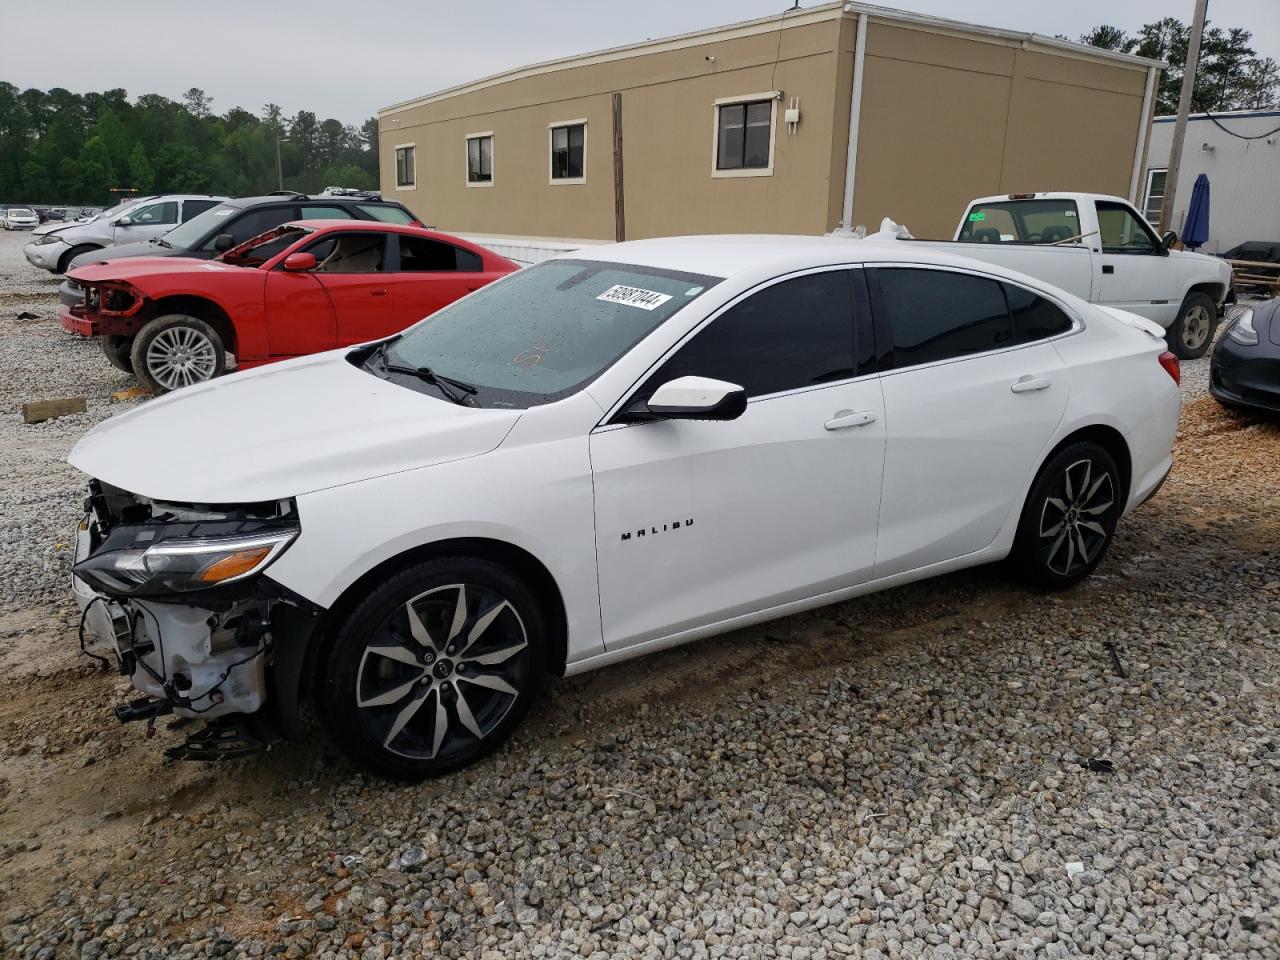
<point x="953" y="769"/>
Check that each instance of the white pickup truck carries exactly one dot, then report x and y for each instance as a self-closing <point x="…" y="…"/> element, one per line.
<point x="1102" y="250"/>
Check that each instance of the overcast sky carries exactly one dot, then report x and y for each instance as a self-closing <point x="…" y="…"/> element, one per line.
<point x="346" y="60"/>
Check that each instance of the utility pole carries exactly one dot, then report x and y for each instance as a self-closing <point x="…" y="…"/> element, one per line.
<point x="279" y="168"/>
<point x="1184" y="108"/>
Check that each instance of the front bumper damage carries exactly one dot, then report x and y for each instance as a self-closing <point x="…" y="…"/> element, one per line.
<point x="231" y="656"/>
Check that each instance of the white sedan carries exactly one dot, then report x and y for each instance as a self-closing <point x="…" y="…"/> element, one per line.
<point x="606" y="454"/>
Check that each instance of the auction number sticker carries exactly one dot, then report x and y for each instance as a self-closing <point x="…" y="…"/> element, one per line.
<point x="634" y="297"/>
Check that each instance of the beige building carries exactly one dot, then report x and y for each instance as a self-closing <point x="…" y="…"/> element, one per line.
<point x="834" y="115"/>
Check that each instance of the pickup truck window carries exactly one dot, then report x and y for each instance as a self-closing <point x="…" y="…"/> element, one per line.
<point x="940" y="314"/>
<point x="1122" y="231"/>
<point x="1021" y="221"/>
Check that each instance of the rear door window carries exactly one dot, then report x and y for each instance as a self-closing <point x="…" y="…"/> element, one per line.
<point x="422" y="254"/>
<point x="1021" y="221"/>
<point x="1034" y="317"/>
<point x="193" y="208"/>
<point x="315" y="212"/>
<point x="386" y="213"/>
<point x="933" y="315"/>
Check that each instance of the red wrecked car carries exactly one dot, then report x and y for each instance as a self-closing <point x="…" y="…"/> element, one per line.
<point x="300" y="288"/>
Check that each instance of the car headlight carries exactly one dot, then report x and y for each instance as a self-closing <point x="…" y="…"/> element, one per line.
<point x="47" y="239"/>
<point x="141" y="561"/>
<point x="1242" y="330"/>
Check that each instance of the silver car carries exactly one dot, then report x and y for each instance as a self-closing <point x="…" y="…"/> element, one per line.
<point x="20" y="218"/>
<point x="54" y="248"/>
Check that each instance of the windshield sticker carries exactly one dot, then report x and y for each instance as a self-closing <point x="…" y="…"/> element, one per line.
<point x="694" y="291"/>
<point x="634" y="297"/>
<point x="1068" y="213"/>
<point x="977" y="216"/>
<point x="222" y="213"/>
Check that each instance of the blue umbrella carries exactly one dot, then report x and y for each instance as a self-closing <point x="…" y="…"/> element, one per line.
<point x="1196" y="230"/>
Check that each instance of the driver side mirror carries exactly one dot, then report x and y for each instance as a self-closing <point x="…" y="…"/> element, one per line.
<point x="125" y="222"/>
<point x="300" y="261"/>
<point x="223" y="241"/>
<point x="698" y="398"/>
<point x="1168" y="240"/>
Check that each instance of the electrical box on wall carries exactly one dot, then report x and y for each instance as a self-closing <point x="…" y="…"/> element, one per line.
<point x="792" y="115"/>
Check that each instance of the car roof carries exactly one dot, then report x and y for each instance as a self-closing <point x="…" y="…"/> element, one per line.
<point x="241" y="202"/>
<point x="769" y="254"/>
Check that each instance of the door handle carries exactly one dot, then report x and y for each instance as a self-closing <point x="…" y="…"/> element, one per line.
<point x="1108" y="268"/>
<point x="1030" y="384"/>
<point x="377" y="293"/>
<point x="848" y="418"/>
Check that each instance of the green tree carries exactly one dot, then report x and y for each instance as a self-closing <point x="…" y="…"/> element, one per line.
<point x="141" y="174"/>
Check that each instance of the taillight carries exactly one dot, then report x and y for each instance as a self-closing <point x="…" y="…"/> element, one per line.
<point x="1171" y="367"/>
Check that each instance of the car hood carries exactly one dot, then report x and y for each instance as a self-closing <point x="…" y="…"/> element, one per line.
<point x="123" y="251"/>
<point x="54" y="228"/>
<point x="280" y="431"/>
<point x="139" y="268"/>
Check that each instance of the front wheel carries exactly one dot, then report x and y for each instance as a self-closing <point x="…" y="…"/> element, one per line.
<point x="1192" y="333"/>
<point x="177" y="351"/>
<point x="1070" y="517"/>
<point x="433" y="669"/>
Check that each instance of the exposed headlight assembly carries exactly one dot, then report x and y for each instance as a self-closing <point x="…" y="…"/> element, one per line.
<point x="1242" y="330"/>
<point x="47" y="239"/>
<point x="147" y="560"/>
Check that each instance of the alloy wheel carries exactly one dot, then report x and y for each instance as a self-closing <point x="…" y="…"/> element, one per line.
<point x="443" y="671"/>
<point x="1073" y="518"/>
<point x="1196" y="326"/>
<point x="181" y="356"/>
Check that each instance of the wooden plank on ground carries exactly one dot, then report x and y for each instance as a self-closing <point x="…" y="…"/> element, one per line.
<point x="40" y="410"/>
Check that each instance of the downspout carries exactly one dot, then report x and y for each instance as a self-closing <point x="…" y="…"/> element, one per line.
<point x="1140" y="151"/>
<point x="855" y="115"/>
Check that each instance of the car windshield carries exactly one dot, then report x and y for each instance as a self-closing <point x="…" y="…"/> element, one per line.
<point x="21" y="212"/>
<point x="545" y="332"/>
<point x="187" y="235"/>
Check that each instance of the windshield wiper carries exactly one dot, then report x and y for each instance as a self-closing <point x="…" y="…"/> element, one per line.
<point x="456" y="391"/>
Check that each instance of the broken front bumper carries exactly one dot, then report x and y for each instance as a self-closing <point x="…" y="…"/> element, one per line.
<point x="77" y="325"/>
<point x="199" y="662"/>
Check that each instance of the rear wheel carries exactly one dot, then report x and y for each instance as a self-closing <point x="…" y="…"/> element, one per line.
<point x="1192" y="333"/>
<point x="116" y="348"/>
<point x="1070" y="516"/>
<point x="176" y="351"/>
<point x="433" y="669"/>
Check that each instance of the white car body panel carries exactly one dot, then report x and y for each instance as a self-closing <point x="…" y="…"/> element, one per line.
<point x="1152" y="286"/>
<point x="787" y="514"/>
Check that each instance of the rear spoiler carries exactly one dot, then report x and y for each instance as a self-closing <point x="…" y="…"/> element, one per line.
<point x="1135" y="321"/>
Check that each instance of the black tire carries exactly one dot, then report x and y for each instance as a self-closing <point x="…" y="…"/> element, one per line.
<point x="1070" y="517"/>
<point x="116" y="349"/>
<point x="1192" y="333"/>
<point x="383" y="709"/>
<point x="65" y="263"/>
<point x="177" y="351"/>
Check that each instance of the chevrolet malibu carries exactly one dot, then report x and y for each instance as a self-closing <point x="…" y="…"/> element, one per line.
<point x="601" y="456"/>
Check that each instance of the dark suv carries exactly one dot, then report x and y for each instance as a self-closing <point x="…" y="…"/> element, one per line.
<point x="234" y="221"/>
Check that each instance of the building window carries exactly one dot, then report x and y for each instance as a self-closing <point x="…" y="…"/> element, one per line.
<point x="743" y="144"/>
<point x="480" y="159"/>
<point x="1153" y="199"/>
<point x="406" y="168"/>
<point x="569" y="152"/>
